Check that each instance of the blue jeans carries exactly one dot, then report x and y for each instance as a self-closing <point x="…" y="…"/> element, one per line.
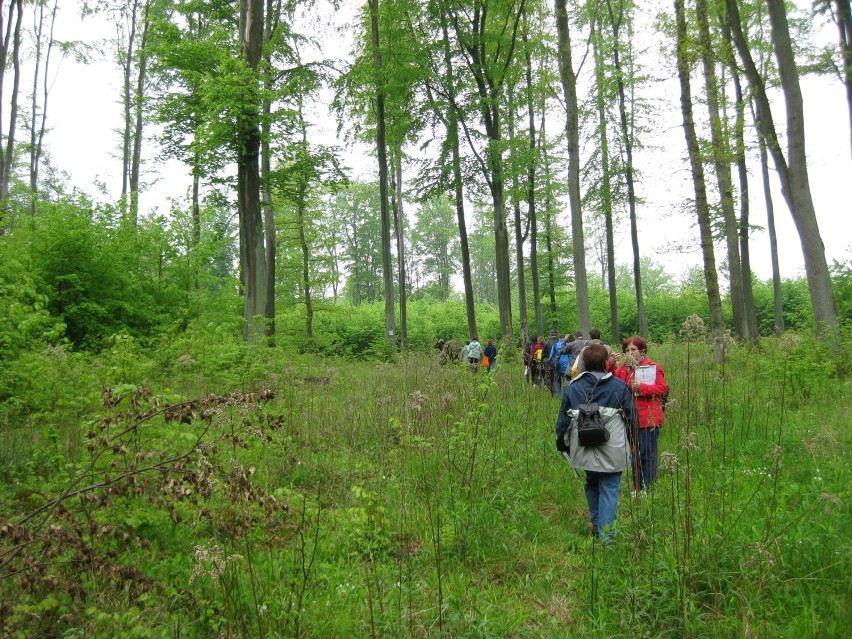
<point x="602" y="496"/>
<point x="646" y="463"/>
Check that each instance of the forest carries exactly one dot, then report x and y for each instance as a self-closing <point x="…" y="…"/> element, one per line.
<point x="223" y="415"/>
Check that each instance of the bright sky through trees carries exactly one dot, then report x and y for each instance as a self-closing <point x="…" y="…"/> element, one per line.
<point x="84" y="114"/>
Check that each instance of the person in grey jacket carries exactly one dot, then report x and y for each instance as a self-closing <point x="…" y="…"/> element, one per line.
<point x="603" y="464"/>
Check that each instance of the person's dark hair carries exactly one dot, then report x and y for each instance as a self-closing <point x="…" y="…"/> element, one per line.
<point x="578" y="335"/>
<point x="595" y="333"/>
<point x="594" y="357"/>
<point x="636" y="341"/>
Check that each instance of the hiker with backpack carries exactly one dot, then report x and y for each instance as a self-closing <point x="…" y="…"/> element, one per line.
<point x="474" y="353"/>
<point x="489" y="356"/>
<point x="560" y="362"/>
<point x="549" y="371"/>
<point x="647" y="381"/>
<point x="537" y="361"/>
<point x="596" y="419"/>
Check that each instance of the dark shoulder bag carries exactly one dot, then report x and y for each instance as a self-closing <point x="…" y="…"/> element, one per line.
<point x="591" y="431"/>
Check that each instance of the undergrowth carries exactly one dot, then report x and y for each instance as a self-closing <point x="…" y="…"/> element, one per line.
<point x="236" y="491"/>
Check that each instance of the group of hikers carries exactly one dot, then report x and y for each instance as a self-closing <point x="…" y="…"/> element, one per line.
<point x="552" y="363"/>
<point x="611" y="410"/>
<point x="472" y="353"/>
<point x="609" y="417"/>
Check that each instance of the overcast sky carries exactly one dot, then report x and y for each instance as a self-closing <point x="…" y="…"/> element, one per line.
<point x="84" y="113"/>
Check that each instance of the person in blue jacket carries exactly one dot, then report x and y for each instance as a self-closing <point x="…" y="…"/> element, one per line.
<point x="491" y="353"/>
<point x="560" y="363"/>
<point x="603" y="464"/>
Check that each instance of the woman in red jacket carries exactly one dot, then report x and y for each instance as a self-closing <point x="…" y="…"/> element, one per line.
<point x="647" y="380"/>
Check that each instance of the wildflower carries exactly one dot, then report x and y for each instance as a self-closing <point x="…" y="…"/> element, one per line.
<point x="690" y="444"/>
<point x="211" y="561"/>
<point x="693" y="327"/>
<point x="669" y="461"/>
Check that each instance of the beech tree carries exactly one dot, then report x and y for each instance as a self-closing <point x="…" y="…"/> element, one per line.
<point x="702" y="207"/>
<point x="842" y="16"/>
<point x="572" y="133"/>
<point x="252" y="252"/>
<point x="441" y="90"/>
<point x="619" y="15"/>
<point x="721" y="154"/>
<point x="11" y="18"/>
<point x="792" y="169"/>
<point x="604" y="191"/>
<point x="43" y="41"/>
<point x="487" y="34"/>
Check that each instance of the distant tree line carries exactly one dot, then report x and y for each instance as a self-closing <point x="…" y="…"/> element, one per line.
<point x="484" y="116"/>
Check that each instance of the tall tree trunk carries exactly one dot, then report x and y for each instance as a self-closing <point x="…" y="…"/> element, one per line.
<point x="11" y="45"/>
<point x="844" y="26"/>
<point x="248" y="171"/>
<point x="531" y="185"/>
<point x="572" y="136"/>
<point x="793" y="170"/>
<point x="742" y="174"/>
<point x="127" y="104"/>
<point x="301" y="223"/>
<point x="381" y="148"/>
<point x="196" y="198"/>
<point x="722" y="164"/>
<point x="270" y="29"/>
<point x="519" y="230"/>
<point x="717" y="320"/>
<point x="548" y="234"/>
<point x="38" y="120"/>
<point x="804" y="214"/>
<point x="268" y="221"/>
<point x="399" y="227"/>
<point x="770" y="227"/>
<point x="138" y="115"/>
<point x="501" y="233"/>
<point x="606" y="193"/>
<point x="627" y="141"/>
<point x="452" y="125"/>
<point x="489" y="75"/>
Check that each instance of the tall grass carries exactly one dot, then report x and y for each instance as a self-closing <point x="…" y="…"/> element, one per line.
<point x="409" y="500"/>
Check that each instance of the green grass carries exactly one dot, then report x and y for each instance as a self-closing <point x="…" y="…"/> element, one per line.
<point x="407" y="500"/>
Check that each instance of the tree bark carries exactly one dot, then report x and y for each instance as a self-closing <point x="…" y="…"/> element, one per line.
<point x="702" y="208"/>
<point x="489" y="75"/>
<point x="742" y="174"/>
<point x="844" y="26"/>
<point x="606" y="193"/>
<point x="793" y="170"/>
<point x="531" y="185"/>
<point x="248" y="171"/>
<point x="38" y="121"/>
<point x="722" y="164"/>
<point x="458" y="186"/>
<point x="520" y="269"/>
<point x="11" y="45"/>
<point x="627" y="141"/>
<point x="381" y="148"/>
<point x="138" y="116"/>
<point x="572" y="135"/>
<point x="399" y="227"/>
<point x="770" y="228"/>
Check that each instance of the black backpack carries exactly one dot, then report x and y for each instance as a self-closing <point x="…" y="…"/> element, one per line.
<point x="591" y="431"/>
